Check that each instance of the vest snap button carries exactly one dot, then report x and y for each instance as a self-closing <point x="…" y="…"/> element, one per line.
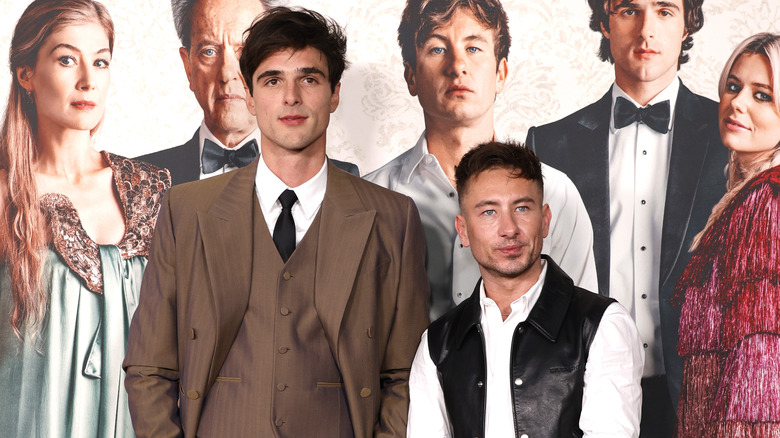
<point x="284" y="311"/>
<point x="283" y="350"/>
<point x="287" y="276"/>
<point x="278" y="422"/>
<point x="518" y="381"/>
<point x="281" y="387"/>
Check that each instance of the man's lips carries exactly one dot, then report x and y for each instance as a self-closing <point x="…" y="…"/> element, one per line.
<point x="293" y="119"/>
<point x="645" y="53"/>
<point x="510" y="250"/>
<point x="733" y="125"/>
<point x="229" y="96"/>
<point x="458" y="89"/>
<point x="84" y="105"/>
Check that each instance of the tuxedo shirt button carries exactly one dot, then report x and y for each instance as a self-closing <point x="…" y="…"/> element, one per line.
<point x="287" y="276"/>
<point x="365" y="392"/>
<point x="284" y="311"/>
<point x="281" y="387"/>
<point x="279" y="422"/>
<point x="283" y="350"/>
<point x="192" y="395"/>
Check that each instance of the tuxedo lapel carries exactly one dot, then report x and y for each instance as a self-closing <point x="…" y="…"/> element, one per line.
<point x="226" y="231"/>
<point x="344" y="229"/>
<point x="689" y="151"/>
<point x="592" y="145"/>
<point x="189" y="170"/>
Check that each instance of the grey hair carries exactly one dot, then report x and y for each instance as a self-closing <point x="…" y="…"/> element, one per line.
<point x="182" y="17"/>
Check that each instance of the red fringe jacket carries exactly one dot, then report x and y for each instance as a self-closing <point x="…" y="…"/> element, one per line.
<point x="730" y="323"/>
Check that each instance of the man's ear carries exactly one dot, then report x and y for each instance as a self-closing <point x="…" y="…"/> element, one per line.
<point x="24" y="76"/>
<point x="410" y="78"/>
<point x="460" y="226"/>
<point x="335" y="97"/>
<point x="501" y="73"/>
<point x="185" y="59"/>
<point x="604" y="31"/>
<point x="546" y="217"/>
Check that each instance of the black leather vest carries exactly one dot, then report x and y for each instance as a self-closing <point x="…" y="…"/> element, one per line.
<point x="549" y="352"/>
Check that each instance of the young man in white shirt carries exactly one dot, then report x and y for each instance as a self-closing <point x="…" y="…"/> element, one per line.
<point x="529" y="353"/>
<point x="455" y="62"/>
<point x="648" y="161"/>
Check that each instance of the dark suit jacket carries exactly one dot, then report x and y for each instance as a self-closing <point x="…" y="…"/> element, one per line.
<point x="371" y="293"/>
<point x="183" y="161"/>
<point x="578" y="145"/>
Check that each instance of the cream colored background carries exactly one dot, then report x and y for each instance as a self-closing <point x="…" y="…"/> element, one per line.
<point x="553" y="71"/>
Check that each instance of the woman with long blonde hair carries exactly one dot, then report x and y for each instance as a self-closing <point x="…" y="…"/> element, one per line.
<point x="75" y="227"/>
<point x="730" y="290"/>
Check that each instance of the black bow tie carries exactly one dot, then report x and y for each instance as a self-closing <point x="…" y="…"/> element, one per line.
<point x="215" y="157"/>
<point x="655" y="116"/>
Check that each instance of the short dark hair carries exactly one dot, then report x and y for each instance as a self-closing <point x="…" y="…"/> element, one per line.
<point x="182" y="18"/>
<point x="601" y="10"/>
<point x="521" y="161"/>
<point x="283" y="28"/>
<point x="421" y="17"/>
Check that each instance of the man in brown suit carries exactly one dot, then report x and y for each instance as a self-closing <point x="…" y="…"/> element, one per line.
<point x="281" y="315"/>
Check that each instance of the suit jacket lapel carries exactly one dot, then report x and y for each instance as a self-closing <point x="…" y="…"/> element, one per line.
<point x="689" y="150"/>
<point x="593" y="155"/>
<point x="345" y="225"/>
<point x="227" y="234"/>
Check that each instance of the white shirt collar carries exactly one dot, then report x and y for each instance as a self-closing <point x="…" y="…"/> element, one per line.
<point x="310" y="194"/>
<point x="525" y="303"/>
<point x="205" y="133"/>
<point x="669" y="93"/>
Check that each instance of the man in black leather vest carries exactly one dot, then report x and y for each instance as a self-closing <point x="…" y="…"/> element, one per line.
<point x="528" y="354"/>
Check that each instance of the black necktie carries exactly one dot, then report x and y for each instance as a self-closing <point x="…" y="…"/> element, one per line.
<point x="215" y="157"/>
<point x="655" y="116"/>
<point x="284" y="231"/>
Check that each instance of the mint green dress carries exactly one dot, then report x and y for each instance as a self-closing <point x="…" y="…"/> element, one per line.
<point x="66" y="379"/>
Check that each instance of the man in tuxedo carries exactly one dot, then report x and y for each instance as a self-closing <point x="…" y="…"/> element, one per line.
<point x="211" y="34"/>
<point x="648" y="161"/>
<point x="257" y="309"/>
<point x="455" y="62"/>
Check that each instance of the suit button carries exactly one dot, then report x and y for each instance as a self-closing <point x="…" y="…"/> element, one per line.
<point x="284" y="311"/>
<point x="279" y="422"/>
<point x="287" y="276"/>
<point x="192" y="395"/>
<point x="520" y="329"/>
<point x="283" y="350"/>
<point x="480" y="384"/>
<point x="518" y="382"/>
<point x="365" y="392"/>
<point x="281" y="387"/>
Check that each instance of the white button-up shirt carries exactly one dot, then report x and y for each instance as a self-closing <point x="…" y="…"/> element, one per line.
<point x="612" y="395"/>
<point x="638" y="172"/>
<point x="452" y="270"/>
<point x="310" y="195"/>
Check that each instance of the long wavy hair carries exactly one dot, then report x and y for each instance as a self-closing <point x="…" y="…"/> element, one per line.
<point x="23" y="231"/>
<point x="768" y="45"/>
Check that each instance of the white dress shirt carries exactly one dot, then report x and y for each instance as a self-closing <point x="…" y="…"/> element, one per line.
<point x="310" y="195"/>
<point x="452" y="270"/>
<point x="638" y="173"/>
<point x="612" y="395"/>
<point x="205" y="133"/>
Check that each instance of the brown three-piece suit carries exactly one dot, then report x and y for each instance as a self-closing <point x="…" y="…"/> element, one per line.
<point x="230" y="341"/>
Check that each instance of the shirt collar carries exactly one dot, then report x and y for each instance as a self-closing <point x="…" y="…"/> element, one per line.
<point x="310" y="194"/>
<point x="523" y="304"/>
<point x="669" y="93"/>
<point x="205" y="133"/>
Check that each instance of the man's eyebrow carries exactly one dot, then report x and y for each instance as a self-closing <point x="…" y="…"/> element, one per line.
<point x="303" y="70"/>
<point x="472" y="37"/>
<point x="207" y="42"/>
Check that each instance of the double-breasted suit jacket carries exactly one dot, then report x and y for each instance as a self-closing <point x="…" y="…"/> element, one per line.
<point x="578" y="145"/>
<point x="370" y="294"/>
<point x="183" y="161"/>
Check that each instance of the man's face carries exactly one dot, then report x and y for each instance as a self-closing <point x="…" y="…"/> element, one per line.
<point x="645" y="37"/>
<point x="504" y="222"/>
<point x="457" y="76"/>
<point x="292" y="100"/>
<point x="212" y="64"/>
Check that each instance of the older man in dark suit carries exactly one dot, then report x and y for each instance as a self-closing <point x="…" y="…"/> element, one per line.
<point x="648" y="161"/>
<point x="257" y="308"/>
<point x="211" y="34"/>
